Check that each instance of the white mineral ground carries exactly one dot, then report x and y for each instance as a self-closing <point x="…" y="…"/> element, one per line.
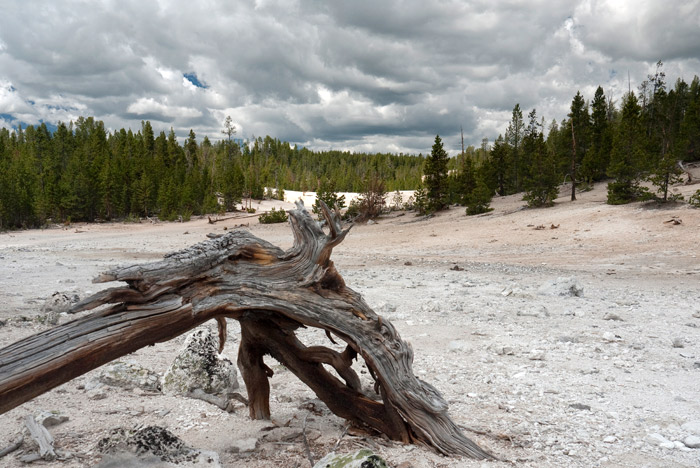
<point x="607" y="379"/>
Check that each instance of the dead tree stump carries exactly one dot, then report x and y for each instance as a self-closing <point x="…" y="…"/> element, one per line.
<point x="271" y="293"/>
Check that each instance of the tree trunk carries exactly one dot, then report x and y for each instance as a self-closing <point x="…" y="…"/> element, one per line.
<point x="271" y="293"/>
<point x="573" y="162"/>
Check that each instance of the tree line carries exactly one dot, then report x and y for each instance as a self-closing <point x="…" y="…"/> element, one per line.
<point x="639" y="147"/>
<point x="82" y="172"/>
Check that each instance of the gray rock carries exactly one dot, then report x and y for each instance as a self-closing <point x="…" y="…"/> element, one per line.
<point x="50" y="418"/>
<point x="611" y="337"/>
<point x="59" y="302"/>
<point x="567" y="339"/>
<point x="97" y="394"/>
<point x="692" y="441"/>
<point x="151" y="446"/>
<point x="692" y="427"/>
<point x="129" y="375"/>
<point x="658" y="440"/>
<point x="361" y="459"/>
<point x="678" y="342"/>
<point x="504" y="350"/>
<point x="541" y="312"/>
<point x="243" y="445"/>
<point x="283" y="434"/>
<point x="457" y="345"/>
<point x="612" y="316"/>
<point x="385" y="308"/>
<point x="199" y="366"/>
<point x="562" y="286"/>
<point x="431" y="307"/>
<point x="580" y="406"/>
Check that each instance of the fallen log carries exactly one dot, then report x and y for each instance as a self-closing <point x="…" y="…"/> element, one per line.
<point x="271" y="293"/>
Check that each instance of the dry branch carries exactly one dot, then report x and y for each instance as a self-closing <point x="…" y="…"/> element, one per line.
<point x="271" y="293"/>
<point x="12" y="447"/>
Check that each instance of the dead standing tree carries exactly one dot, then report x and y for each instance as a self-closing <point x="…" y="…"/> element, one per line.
<point x="271" y="293"/>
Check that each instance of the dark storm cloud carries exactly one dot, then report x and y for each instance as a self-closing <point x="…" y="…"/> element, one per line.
<point x="362" y="75"/>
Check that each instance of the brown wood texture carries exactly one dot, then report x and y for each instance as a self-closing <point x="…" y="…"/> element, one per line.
<point x="271" y="293"/>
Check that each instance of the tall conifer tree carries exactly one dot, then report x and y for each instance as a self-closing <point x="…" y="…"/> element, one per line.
<point x="514" y="137"/>
<point x="436" y="177"/>
<point x="628" y="154"/>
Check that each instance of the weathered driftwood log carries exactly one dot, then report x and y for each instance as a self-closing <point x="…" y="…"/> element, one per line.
<point x="271" y="293"/>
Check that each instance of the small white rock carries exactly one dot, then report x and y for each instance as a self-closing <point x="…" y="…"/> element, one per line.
<point x="692" y="427"/>
<point x="610" y="439"/>
<point x="657" y="439"/>
<point x="612" y="316"/>
<point x="457" y="345"/>
<point x="244" y="445"/>
<point x="610" y="337"/>
<point x="692" y="441"/>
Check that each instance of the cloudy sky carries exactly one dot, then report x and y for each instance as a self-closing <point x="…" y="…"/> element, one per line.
<point x="379" y="75"/>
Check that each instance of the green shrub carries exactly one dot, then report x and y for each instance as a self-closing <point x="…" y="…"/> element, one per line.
<point x="273" y="216"/>
<point x="694" y="199"/>
<point x="420" y="203"/>
<point x="353" y="210"/>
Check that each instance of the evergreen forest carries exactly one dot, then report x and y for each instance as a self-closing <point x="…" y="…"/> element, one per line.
<point x="82" y="172"/>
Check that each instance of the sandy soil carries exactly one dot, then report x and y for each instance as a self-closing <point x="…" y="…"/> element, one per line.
<point x="540" y="380"/>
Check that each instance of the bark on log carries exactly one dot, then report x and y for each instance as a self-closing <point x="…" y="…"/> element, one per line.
<point x="271" y="293"/>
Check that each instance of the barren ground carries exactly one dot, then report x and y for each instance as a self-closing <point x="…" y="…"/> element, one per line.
<point x="510" y="360"/>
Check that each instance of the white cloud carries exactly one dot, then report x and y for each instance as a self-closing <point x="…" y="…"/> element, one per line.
<point x="149" y="106"/>
<point x="365" y="75"/>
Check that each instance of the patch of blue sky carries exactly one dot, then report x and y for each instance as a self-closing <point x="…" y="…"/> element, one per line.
<point x="192" y="78"/>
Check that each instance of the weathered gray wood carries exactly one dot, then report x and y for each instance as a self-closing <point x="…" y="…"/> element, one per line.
<point x="12" y="447"/>
<point x="42" y="437"/>
<point x="272" y="293"/>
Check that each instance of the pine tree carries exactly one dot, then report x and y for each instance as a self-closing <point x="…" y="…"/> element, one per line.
<point x="541" y="182"/>
<point x="435" y="172"/>
<point x="479" y="199"/>
<point x="664" y="171"/>
<point x="628" y="155"/>
<point x="578" y="126"/>
<point x="689" y="144"/>
<point x="327" y="193"/>
<point x="465" y="180"/>
<point x="596" y="160"/>
<point x="191" y="150"/>
<point x="514" y="138"/>
<point x="496" y="175"/>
